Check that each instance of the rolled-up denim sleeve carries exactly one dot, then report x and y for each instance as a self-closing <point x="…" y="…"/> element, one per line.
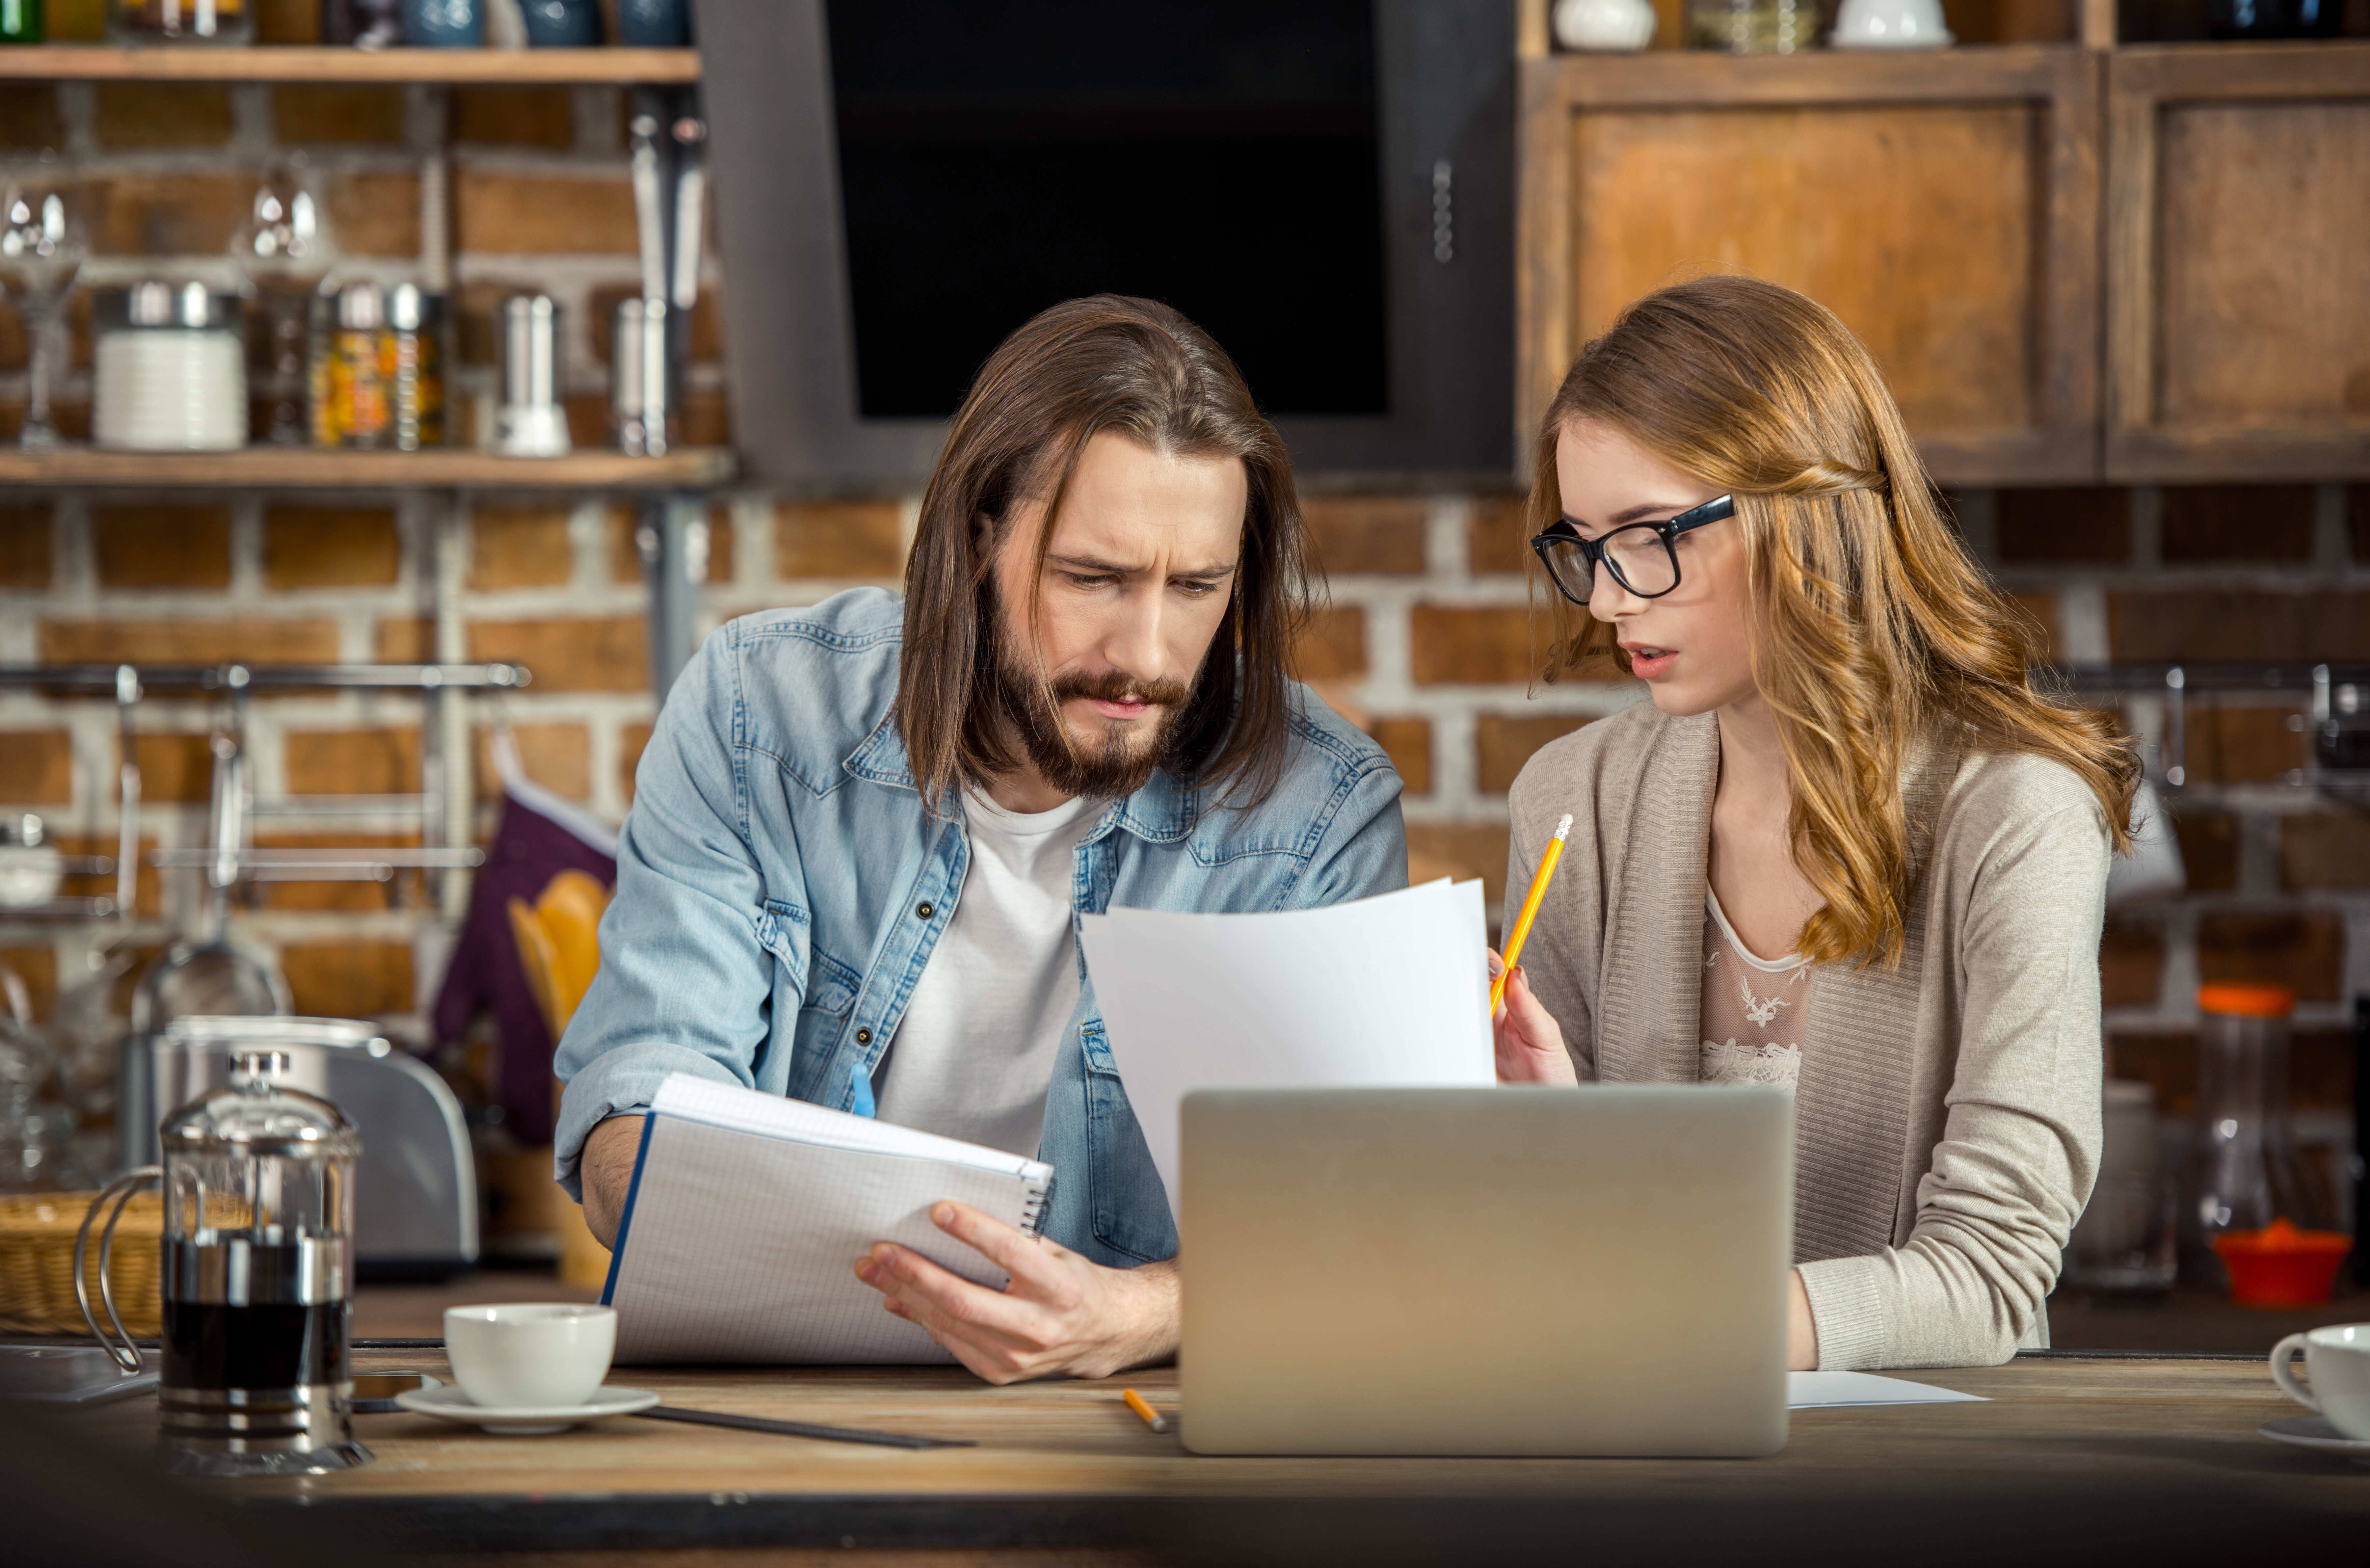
<point x="686" y="983"/>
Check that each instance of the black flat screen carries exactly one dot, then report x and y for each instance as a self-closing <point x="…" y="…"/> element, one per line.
<point x="997" y="157"/>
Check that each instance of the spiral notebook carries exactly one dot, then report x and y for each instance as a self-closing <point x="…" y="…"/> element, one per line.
<point x="747" y="1214"/>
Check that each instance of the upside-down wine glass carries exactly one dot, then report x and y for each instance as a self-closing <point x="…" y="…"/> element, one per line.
<point x="41" y="251"/>
<point x="279" y="248"/>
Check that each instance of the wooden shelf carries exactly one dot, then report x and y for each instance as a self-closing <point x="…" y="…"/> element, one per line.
<point x="271" y="467"/>
<point x="281" y="63"/>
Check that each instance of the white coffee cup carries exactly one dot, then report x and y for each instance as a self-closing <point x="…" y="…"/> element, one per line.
<point x="530" y="1355"/>
<point x="2339" y="1360"/>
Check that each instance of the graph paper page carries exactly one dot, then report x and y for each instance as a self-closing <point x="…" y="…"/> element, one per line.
<point x="741" y="1246"/>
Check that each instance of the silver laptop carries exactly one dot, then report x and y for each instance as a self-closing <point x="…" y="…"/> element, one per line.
<point x="1598" y="1270"/>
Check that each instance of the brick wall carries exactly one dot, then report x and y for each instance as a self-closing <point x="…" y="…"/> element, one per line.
<point x="1426" y="637"/>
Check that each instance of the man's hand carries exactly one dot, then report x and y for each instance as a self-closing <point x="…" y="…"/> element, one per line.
<point x="606" y="1169"/>
<point x="1529" y="1040"/>
<point x="1062" y="1315"/>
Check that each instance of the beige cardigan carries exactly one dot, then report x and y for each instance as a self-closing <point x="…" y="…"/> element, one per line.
<point x="1947" y="1120"/>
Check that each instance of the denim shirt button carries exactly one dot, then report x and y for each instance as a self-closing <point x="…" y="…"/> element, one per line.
<point x="925" y="909"/>
<point x="864" y="1037"/>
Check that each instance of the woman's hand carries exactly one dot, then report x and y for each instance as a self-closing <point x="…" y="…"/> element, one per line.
<point x="1530" y="1041"/>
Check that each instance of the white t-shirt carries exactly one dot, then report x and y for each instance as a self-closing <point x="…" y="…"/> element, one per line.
<point x="973" y="1056"/>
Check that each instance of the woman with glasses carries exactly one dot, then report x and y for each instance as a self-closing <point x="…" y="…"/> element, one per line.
<point x="1846" y="846"/>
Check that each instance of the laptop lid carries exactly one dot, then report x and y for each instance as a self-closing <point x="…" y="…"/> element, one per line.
<point x="1590" y="1271"/>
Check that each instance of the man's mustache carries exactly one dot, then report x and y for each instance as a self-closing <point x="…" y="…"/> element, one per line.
<point x="1111" y="686"/>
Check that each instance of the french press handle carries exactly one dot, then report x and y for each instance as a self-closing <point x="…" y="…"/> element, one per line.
<point x="126" y="1354"/>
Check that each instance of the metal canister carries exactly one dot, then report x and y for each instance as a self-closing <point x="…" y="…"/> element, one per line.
<point x="529" y="420"/>
<point x="415" y="326"/>
<point x="641" y="404"/>
<point x="168" y="369"/>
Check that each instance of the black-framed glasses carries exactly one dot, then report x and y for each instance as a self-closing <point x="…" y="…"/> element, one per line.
<point x="1642" y="556"/>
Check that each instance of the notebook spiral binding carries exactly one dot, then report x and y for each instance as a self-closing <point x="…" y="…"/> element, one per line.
<point x="1033" y="1211"/>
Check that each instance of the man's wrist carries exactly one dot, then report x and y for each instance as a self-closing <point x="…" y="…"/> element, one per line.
<point x="1160" y="1314"/>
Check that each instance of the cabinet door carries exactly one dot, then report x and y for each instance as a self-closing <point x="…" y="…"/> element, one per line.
<point x="1944" y="205"/>
<point x="2238" y="262"/>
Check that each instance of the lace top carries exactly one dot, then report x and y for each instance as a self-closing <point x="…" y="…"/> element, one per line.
<point x="1751" y="1009"/>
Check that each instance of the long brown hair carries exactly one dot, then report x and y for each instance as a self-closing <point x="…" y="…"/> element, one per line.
<point x="1139" y="369"/>
<point x="1874" y="632"/>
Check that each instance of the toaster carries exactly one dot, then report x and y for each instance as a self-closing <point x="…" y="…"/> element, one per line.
<point x="416" y="1185"/>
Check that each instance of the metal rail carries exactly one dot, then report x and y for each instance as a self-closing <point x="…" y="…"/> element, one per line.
<point x="106" y="679"/>
<point x="230" y="858"/>
<point x="2337" y="719"/>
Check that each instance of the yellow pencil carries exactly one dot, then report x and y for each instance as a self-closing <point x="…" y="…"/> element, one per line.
<point x="1152" y="1417"/>
<point x="1514" y="938"/>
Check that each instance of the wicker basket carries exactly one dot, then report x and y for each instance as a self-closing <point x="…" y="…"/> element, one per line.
<point x="36" y="1244"/>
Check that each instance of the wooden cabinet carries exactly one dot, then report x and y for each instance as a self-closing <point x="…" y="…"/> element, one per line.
<point x="1954" y="209"/>
<point x="1945" y="205"/>
<point x="2237" y="337"/>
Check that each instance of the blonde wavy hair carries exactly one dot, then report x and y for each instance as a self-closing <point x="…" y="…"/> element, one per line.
<point x="1875" y="633"/>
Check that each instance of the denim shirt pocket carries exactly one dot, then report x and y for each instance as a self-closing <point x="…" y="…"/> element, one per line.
<point x="822" y="1003"/>
<point x="1127" y="1206"/>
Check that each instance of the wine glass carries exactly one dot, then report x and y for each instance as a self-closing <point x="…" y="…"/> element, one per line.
<point x="279" y="248"/>
<point x="41" y="251"/>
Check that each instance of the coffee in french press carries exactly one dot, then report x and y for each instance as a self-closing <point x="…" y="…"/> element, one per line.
<point x="258" y="1277"/>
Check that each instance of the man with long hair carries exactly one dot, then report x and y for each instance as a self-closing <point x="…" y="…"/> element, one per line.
<point x="863" y="832"/>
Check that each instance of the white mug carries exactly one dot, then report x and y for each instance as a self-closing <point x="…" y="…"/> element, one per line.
<point x="530" y="1355"/>
<point x="2339" y="1359"/>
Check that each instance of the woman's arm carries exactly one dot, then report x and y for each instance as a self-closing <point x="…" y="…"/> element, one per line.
<point x="2020" y="1145"/>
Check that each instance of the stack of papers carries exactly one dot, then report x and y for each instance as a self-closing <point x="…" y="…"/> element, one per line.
<point x="1824" y="1390"/>
<point x="1381" y="991"/>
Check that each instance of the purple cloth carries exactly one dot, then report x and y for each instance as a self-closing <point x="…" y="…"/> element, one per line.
<point x="528" y="851"/>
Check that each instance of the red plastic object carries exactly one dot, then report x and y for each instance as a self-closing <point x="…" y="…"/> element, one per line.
<point x="2280" y="1265"/>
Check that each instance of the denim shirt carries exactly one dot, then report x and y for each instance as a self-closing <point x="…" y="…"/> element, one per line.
<point x="780" y="888"/>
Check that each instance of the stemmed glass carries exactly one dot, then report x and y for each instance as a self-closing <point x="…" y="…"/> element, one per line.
<point x="41" y="251"/>
<point x="279" y="248"/>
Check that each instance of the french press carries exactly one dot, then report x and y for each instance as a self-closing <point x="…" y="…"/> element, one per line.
<point x="258" y="1277"/>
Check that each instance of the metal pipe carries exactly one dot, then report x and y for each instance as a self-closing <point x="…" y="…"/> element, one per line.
<point x="127" y="784"/>
<point x="107" y="679"/>
<point x="325" y="855"/>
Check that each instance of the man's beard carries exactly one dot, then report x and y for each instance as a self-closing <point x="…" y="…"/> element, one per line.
<point x="1121" y="760"/>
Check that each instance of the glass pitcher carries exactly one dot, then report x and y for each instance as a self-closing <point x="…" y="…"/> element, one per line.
<point x="258" y="1277"/>
<point x="2242" y="1171"/>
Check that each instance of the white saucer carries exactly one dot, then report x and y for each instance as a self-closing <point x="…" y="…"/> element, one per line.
<point x="2314" y="1432"/>
<point x="449" y="1403"/>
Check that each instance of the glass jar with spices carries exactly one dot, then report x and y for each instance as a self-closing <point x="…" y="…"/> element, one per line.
<point x="180" y="21"/>
<point x="1753" y="27"/>
<point x="415" y="326"/>
<point x="360" y="370"/>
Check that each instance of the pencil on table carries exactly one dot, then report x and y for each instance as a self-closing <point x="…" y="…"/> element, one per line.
<point x="1152" y="1417"/>
<point x="1514" y="938"/>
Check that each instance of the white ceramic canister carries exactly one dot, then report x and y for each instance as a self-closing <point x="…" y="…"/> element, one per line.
<point x="1618" y="27"/>
<point x="1891" y="24"/>
<point x="170" y="370"/>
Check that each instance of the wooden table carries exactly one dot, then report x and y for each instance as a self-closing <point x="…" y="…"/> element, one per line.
<point x="2128" y="1451"/>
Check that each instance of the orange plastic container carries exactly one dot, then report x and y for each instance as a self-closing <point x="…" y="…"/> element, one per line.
<point x="2280" y="1265"/>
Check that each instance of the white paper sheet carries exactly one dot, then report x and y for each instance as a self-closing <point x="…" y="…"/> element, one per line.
<point x="1388" y="990"/>
<point x="1823" y="1391"/>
